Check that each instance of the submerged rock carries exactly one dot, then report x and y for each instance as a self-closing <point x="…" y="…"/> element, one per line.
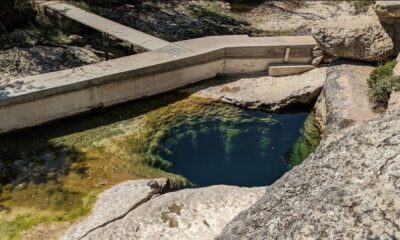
<point x="349" y="190"/>
<point x="186" y="214"/>
<point x="265" y="92"/>
<point x="355" y="37"/>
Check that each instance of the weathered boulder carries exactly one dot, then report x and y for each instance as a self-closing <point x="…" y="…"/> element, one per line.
<point x="387" y="11"/>
<point x="297" y="16"/>
<point x="266" y="92"/>
<point x="349" y="189"/>
<point x="396" y="69"/>
<point x="354" y="37"/>
<point x="318" y="56"/>
<point x="394" y="100"/>
<point x="389" y="15"/>
<point x="320" y="112"/>
<point x="115" y="203"/>
<point x="345" y="102"/>
<point x="186" y="214"/>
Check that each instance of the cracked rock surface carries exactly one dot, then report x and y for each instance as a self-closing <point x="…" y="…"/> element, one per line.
<point x="298" y="16"/>
<point x="394" y="102"/>
<point x="265" y="92"/>
<point x="387" y="10"/>
<point x="186" y="214"/>
<point x="349" y="189"/>
<point x="115" y="203"/>
<point x="344" y="102"/>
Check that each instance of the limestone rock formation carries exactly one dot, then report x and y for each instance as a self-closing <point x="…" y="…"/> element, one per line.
<point x="297" y="16"/>
<point x="115" y="203"/>
<point x="265" y="92"/>
<point x="318" y="56"/>
<point x="396" y="69"/>
<point x="387" y="11"/>
<point x="320" y="112"/>
<point x="345" y="100"/>
<point x="354" y="37"/>
<point x="389" y="15"/>
<point x="348" y="190"/>
<point x="394" y="102"/>
<point x="191" y="213"/>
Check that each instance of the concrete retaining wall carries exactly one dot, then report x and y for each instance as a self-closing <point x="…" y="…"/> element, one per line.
<point x="38" y="99"/>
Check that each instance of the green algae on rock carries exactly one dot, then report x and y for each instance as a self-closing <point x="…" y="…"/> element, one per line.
<point x="306" y="144"/>
<point x="53" y="173"/>
<point x="49" y="172"/>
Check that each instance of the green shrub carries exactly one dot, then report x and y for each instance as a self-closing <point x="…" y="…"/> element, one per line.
<point x="381" y="84"/>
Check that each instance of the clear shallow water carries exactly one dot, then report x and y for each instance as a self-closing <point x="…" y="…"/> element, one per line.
<point x="244" y="148"/>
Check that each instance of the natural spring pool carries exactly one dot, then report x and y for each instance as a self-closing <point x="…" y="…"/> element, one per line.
<point x="53" y="173"/>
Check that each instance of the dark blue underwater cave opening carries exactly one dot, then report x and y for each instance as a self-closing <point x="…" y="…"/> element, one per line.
<point x="247" y="149"/>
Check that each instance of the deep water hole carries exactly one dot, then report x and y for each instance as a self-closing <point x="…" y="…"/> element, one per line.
<point x="234" y="146"/>
<point x="53" y="173"/>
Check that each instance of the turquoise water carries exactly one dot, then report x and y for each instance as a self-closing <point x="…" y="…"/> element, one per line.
<point x="244" y="148"/>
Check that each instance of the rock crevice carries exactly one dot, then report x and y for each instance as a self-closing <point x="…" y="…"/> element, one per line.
<point x="114" y="204"/>
<point x="265" y="92"/>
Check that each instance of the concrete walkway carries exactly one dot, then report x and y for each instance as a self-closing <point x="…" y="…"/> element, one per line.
<point x="34" y="100"/>
<point x="116" y="30"/>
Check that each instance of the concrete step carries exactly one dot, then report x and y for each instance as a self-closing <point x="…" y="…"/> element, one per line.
<point x="277" y="70"/>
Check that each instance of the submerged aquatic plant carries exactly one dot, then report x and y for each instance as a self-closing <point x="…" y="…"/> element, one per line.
<point x="306" y="144"/>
